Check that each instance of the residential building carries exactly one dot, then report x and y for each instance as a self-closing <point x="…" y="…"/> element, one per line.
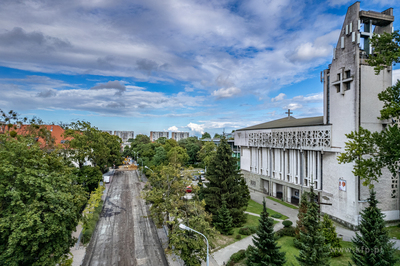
<point x="154" y="135"/>
<point x="125" y="135"/>
<point x="179" y="135"/>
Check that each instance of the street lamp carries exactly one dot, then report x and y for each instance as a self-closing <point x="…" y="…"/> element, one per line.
<point x="148" y="168"/>
<point x="184" y="227"/>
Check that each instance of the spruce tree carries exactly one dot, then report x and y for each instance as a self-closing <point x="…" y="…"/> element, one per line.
<point x="300" y="218"/>
<point x="224" y="220"/>
<point x="265" y="250"/>
<point x="330" y="235"/>
<point x="313" y="250"/>
<point x="226" y="181"/>
<point x="372" y="245"/>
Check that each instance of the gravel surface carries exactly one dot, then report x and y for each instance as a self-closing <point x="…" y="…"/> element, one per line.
<point x="124" y="235"/>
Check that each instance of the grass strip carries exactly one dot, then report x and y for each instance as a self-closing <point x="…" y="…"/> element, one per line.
<point x="257" y="208"/>
<point x="282" y="202"/>
<point x="87" y="233"/>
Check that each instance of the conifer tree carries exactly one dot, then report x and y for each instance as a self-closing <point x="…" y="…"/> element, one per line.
<point x="299" y="223"/>
<point x="313" y="250"/>
<point x="372" y="245"/>
<point x="330" y="235"/>
<point x="224" y="220"/>
<point x="265" y="250"/>
<point x="226" y="181"/>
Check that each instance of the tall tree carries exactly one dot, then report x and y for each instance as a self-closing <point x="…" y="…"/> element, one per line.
<point x="330" y="235"/>
<point x="177" y="156"/>
<point x="300" y="217"/>
<point x="207" y="152"/>
<point x="206" y="135"/>
<point x="372" y="245"/>
<point x="265" y="250"/>
<point x="313" y="250"/>
<point x="386" y="50"/>
<point x="224" y="220"/>
<point x="40" y="204"/>
<point x="226" y="181"/>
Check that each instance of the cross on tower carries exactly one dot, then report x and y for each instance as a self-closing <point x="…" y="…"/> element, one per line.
<point x="288" y="113"/>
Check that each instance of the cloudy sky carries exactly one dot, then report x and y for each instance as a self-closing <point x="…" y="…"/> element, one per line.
<point x="180" y="65"/>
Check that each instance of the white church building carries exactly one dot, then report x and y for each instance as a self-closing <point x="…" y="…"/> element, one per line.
<point x="281" y="158"/>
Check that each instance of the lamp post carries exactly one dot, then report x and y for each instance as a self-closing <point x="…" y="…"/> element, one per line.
<point x="184" y="227"/>
<point x="148" y="168"/>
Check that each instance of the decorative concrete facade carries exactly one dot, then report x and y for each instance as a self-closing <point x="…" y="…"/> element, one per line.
<point x="284" y="157"/>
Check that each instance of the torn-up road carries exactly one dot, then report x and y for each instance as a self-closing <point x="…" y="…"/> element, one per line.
<point x="124" y="235"/>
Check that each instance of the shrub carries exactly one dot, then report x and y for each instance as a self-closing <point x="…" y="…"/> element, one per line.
<point x="245" y="231"/>
<point x="276" y="215"/>
<point x="238" y="237"/>
<point x="287" y="223"/>
<point x="286" y="231"/>
<point x="253" y="229"/>
<point x="238" y="256"/>
<point x="230" y="263"/>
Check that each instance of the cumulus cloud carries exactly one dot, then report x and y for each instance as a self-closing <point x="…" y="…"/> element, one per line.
<point x="280" y="97"/>
<point x="196" y="127"/>
<point x="226" y="92"/>
<point x="111" y="85"/>
<point x="173" y="128"/>
<point x="293" y="106"/>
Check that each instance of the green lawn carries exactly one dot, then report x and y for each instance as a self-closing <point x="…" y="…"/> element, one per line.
<point x="286" y="244"/>
<point x="257" y="208"/>
<point x="394" y="231"/>
<point x="223" y="241"/>
<point x="283" y="203"/>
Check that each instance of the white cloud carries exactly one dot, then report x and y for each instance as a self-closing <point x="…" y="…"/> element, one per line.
<point x="226" y="92"/>
<point x="293" y="106"/>
<point x="173" y="128"/>
<point x="196" y="127"/>
<point x="317" y="97"/>
<point x="280" y="97"/>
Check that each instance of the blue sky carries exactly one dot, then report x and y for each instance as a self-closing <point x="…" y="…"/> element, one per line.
<point x="176" y="65"/>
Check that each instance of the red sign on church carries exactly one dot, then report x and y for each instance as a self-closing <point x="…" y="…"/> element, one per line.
<point x="342" y="185"/>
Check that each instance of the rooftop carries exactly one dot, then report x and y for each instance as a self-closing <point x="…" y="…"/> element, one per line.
<point x="288" y="122"/>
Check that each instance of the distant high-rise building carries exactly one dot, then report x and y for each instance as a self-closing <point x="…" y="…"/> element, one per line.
<point x="154" y="135"/>
<point x="125" y="135"/>
<point x="108" y="131"/>
<point x="179" y="135"/>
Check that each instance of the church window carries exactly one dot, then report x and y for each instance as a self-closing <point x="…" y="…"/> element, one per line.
<point x="348" y="74"/>
<point x="347" y="86"/>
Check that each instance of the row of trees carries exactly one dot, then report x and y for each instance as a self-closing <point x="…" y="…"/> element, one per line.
<point x="170" y="207"/>
<point x="42" y="194"/>
<point x="165" y="151"/>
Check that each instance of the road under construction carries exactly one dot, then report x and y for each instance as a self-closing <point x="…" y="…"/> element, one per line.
<point x="124" y="234"/>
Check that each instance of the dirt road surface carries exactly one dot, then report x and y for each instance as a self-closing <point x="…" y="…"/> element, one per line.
<point x="124" y="235"/>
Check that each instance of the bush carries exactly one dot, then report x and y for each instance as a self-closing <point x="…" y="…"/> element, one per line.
<point x="276" y="215"/>
<point x="238" y="237"/>
<point x="245" y="231"/>
<point x="91" y="226"/>
<point x="286" y="231"/>
<point x="287" y="223"/>
<point x="238" y="256"/>
<point x="253" y="229"/>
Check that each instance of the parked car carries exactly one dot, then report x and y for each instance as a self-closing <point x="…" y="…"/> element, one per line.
<point x="188" y="189"/>
<point x="106" y="179"/>
<point x="201" y="172"/>
<point x="195" y="178"/>
<point x="203" y="178"/>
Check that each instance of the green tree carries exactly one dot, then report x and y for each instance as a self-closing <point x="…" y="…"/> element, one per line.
<point x="206" y="135"/>
<point x="160" y="157"/>
<point x="300" y="217"/>
<point x="161" y="140"/>
<point x="372" y="245"/>
<point x="207" y="152"/>
<point x="330" y="235"/>
<point x="224" y="220"/>
<point x="192" y="150"/>
<point x="313" y="250"/>
<point x="88" y="177"/>
<point x="217" y="136"/>
<point x="177" y="156"/>
<point x="40" y="205"/>
<point x="226" y="181"/>
<point x="265" y="250"/>
<point x="386" y="50"/>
